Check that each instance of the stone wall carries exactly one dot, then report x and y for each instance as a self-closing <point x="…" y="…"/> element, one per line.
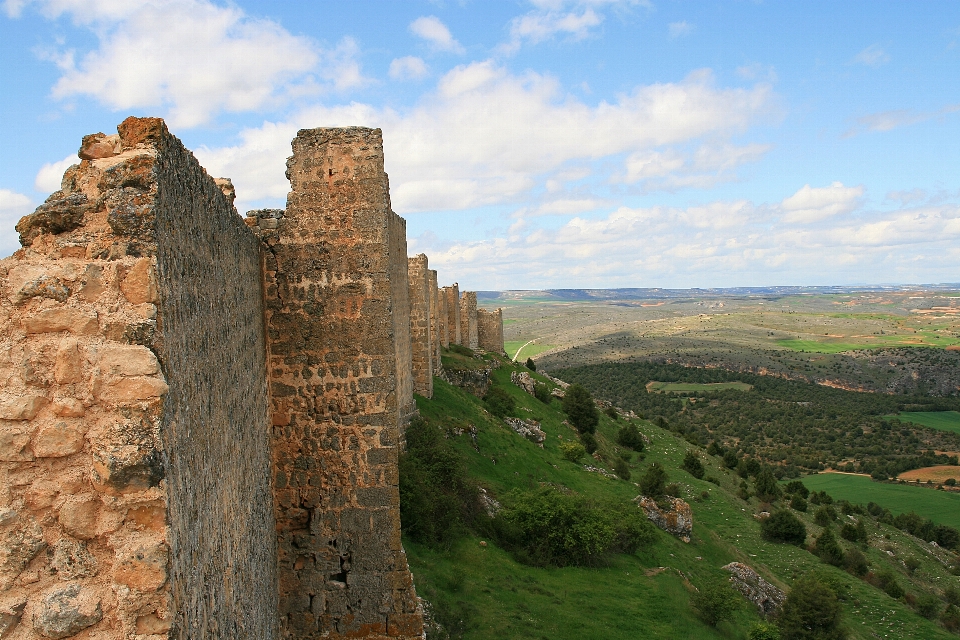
<point x="444" y="318"/>
<point x="335" y="393"/>
<point x="135" y="495"/>
<point x="468" y="319"/>
<point x="452" y="295"/>
<point x="421" y="339"/>
<point x="436" y="320"/>
<point x="400" y="314"/>
<point x="490" y="330"/>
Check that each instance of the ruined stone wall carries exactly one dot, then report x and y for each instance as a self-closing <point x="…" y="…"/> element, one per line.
<point x="452" y="295"/>
<point x="400" y="314"/>
<point x="421" y="339"/>
<point x="443" y="318"/>
<point x="490" y="330"/>
<point x="468" y="319"/>
<point x="335" y="394"/>
<point x="436" y="340"/>
<point x="134" y="485"/>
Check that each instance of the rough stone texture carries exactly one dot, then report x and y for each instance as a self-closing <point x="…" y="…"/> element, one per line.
<point x="490" y="330"/>
<point x="529" y="429"/>
<point x="676" y="519"/>
<point x="475" y="381"/>
<point x="452" y="295"/>
<point x="133" y="405"/>
<point x="436" y="320"/>
<point x="468" y="319"/>
<point x="768" y="598"/>
<point x="443" y="319"/>
<point x="336" y="393"/>
<point x="525" y="381"/>
<point x="400" y="315"/>
<point x="421" y="339"/>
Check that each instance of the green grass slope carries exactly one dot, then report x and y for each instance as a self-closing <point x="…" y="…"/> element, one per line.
<point x="942" y="420"/>
<point x="480" y="591"/>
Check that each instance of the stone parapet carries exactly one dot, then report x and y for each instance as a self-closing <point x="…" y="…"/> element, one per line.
<point x="436" y="320"/>
<point x="421" y="339"/>
<point x="452" y="296"/>
<point x="490" y="330"/>
<point x="468" y="319"/>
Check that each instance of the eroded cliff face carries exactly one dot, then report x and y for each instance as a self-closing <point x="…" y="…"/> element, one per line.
<point x="134" y="497"/>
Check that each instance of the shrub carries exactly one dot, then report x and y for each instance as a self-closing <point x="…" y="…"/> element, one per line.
<point x="629" y="436"/>
<point x="730" y="459"/>
<point x="713" y="480"/>
<point x="946" y="537"/>
<point x="785" y="527"/>
<point x="589" y="442"/>
<point x="580" y="409"/>
<point x="798" y="504"/>
<point x="952" y="595"/>
<point x="462" y="350"/>
<point x="715" y="449"/>
<point x="547" y="527"/>
<point x="744" y="491"/>
<point x="928" y="605"/>
<point x="950" y="618"/>
<point x="692" y="465"/>
<point x="828" y="549"/>
<point x="542" y="393"/>
<point x="499" y="402"/>
<point x="820" y="497"/>
<point x="653" y="482"/>
<point x="766" y="487"/>
<point x="672" y="490"/>
<point x="823" y="516"/>
<point x="612" y="413"/>
<point x="621" y="469"/>
<point x="797" y="488"/>
<point x="437" y="499"/>
<point x="912" y="563"/>
<point x="853" y="532"/>
<point x="886" y="580"/>
<point x="715" y="602"/>
<point x="530" y="364"/>
<point x="763" y="631"/>
<point x="950" y="482"/>
<point x="572" y="451"/>
<point x="811" y="610"/>
<point x="855" y="562"/>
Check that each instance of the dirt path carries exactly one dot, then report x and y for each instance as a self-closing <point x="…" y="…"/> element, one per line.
<point x="517" y="354"/>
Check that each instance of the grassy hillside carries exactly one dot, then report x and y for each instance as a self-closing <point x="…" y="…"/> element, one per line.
<point x="479" y="590"/>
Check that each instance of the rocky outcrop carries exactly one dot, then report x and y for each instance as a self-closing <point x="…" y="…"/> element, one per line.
<point x="674" y="517"/>
<point x="529" y="429"/>
<point x="525" y="381"/>
<point x="475" y="381"/>
<point x="768" y="598"/>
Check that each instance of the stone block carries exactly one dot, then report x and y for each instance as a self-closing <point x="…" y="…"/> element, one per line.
<point x="25" y="407"/>
<point x="128" y="360"/>
<point x="58" y="439"/>
<point x="68" y="408"/>
<point x="14" y="439"/>
<point x="64" y="319"/>
<point x="142" y="565"/>
<point x="132" y="390"/>
<point x="140" y="284"/>
<point x="79" y="514"/>
<point x="66" y="610"/>
<point x="68" y="368"/>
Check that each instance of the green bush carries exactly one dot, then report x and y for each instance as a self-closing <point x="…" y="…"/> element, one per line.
<point x="824" y="515"/>
<point x="692" y="465"/>
<point x="828" y="549"/>
<point x="715" y="449"/>
<point x="765" y="486"/>
<point x="763" y="631"/>
<point x="542" y="393"/>
<point x="811" y="611"/>
<point x="580" y="409"/>
<point x="783" y="526"/>
<point x="730" y="459"/>
<point x="653" y="482"/>
<point x="589" y="442"/>
<point x="499" y="402"/>
<point x="716" y="602"/>
<point x="886" y="580"/>
<point x="855" y="562"/>
<point x="547" y="527"/>
<point x="572" y="451"/>
<point x="629" y="436"/>
<point x="743" y="492"/>
<point x="952" y="595"/>
<point x="437" y="499"/>
<point x="612" y="413"/>
<point x="530" y="364"/>
<point x="797" y="488"/>
<point x="950" y="618"/>
<point x="462" y="350"/>
<point x="621" y="469"/>
<point x="928" y="605"/>
<point x="798" y="504"/>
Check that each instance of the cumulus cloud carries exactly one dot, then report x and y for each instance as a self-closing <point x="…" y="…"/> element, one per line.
<point x="574" y="19"/>
<point x="193" y="58"/>
<point x="811" y="204"/>
<point x="675" y="168"/>
<point x="50" y="175"/>
<point x="872" y="56"/>
<point x="677" y="29"/>
<point x="487" y="136"/>
<point x="408" y="68"/>
<point x="13" y="206"/>
<point x="431" y="29"/>
<point x="896" y="118"/>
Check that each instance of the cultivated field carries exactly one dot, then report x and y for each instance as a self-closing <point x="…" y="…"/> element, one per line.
<point x="936" y="474"/>
<point x="940" y="506"/>
<point x="694" y="387"/>
<point x="943" y="420"/>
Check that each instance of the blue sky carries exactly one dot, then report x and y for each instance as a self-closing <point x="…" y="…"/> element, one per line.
<point x="540" y="143"/>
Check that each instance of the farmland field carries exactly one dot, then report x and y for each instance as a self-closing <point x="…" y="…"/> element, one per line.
<point x="527" y="351"/>
<point x="694" y="387"/>
<point x="940" y="506"/>
<point x="937" y="474"/>
<point x="942" y="420"/>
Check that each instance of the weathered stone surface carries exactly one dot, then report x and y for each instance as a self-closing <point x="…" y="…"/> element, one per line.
<point x="675" y="517"/>
<point x="24" y="407"/>
<point x="68" y="408"/>
<point x="128" y="456"/>
<point x="64" y="319"/>
<point x="421" y="339"/>
<point x="10" y="615"/>
<point x="72" y="559"/>
<point x="452" y="296"/>
<point x="525" y="381"/>
<point x="20" y="542"/>
<point x="44" y="287"/>
<point x="69" y="363"/>
<point x="66" y="610"/>
<point x="437" y="318"/>
<point x="14" y="439"/>
<point x="58" y="214"/>
<point x="490" y="330"/>
<point x="128" y="360"/>
<point x="529" y="429"/>
<point x="78" y="516"/>
<point x="468" y="320"/>
<point x="97" y="145"/>
<point x="140" y="285"/>
<point x="475" y="381"/>
<point x="142" y="566"/>
<point x="767" y="597"/>
<point x="57" y="439"/>
<point x="124" y="391"/>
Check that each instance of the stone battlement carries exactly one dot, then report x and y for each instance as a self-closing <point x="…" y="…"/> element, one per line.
<point x="200" y="414"/>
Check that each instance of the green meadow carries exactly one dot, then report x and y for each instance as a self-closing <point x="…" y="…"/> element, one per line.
<point x="528" y="351"/>
<point x="942" y="420"/>
<point x="696" y="387"/>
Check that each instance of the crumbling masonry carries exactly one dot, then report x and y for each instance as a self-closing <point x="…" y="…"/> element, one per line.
<point x="200" y="415"/>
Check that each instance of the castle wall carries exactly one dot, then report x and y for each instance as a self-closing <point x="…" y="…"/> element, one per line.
<point x="443" y="318"/>
<point x="452" y="295"/>
<point x="336" y="393"/>
<point x="421" y="338"/>
<point x="436" y="321"/>
<point x="134" y="490"/>
<point x="400" y="314"/>
<point x="468" y="319"/>
<point x="490" y="330"/>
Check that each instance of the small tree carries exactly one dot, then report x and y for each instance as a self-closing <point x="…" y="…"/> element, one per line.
<point x="855" y="562"/>
<point x="629" y="436"/>
<point x="811" y="611"/>
<point x="715" y="449"/>
<point x="798" y="504"/>
<point x="580" y="409"/>
<point x="499" y="402"/>
<point x="828" y="549"/>
<point x="612" y="413"/>
<point x="730" y="459"/>
<point x="589" y="442"/>
<point x="621" y="469"/>
<point x="715" y="602"/>
<point x="797" y="488"/>
<point x="653" y="483"/>
<point x="530" y="364"/>
<point x="692" y="465"/>
<point x="765" y="485"/>
<point x="763" y="631"/>
<point x="542" y="393"/>
<point x="572" y="451"/>
<point x="783" y="526"/>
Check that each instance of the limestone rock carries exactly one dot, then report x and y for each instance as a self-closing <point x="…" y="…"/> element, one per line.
<point x="64" y="611"/>
<point x="529" y="429"/>
<point x="127" y="456"/>
<point x="69" y="364"/>
<point x="79" y="515"/>
<point x="44" y="287"/>
<point x="22" y="408"/>
<point x="19" y="545"/>
<point x="13" y="443"/>
<point x="10" y="615"/>
<point x="142" y="566"/>
<point x="768" y="598"/>
<point x="59" y="214"/>
<point x="72" y="560"/>
<point x="676" y="518"/>
<point x="65" y="319"/>
<point x="475" y="381"/>
<point x="140" y="286"/>
<point x="97" y="145"/>
<point x="128" y="360"/>
<point x="524" y="380"/>
<point x="58" y="439"/>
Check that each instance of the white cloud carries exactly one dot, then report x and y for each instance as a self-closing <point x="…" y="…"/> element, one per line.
<point x="13" y="206"/>
<point x="193" y="58"/>
<point x="488" y="136"/>
<point x="675" y="168"/>
<point x="896" y="118"/>
<point x="811" y="204"/>
<point x="872" y="56"/>
<point x="13" y="201"/>
<point x="431" y="29"/>
<point x="677" y="29"/>
<point x="574" y="19"/>
<point x="50" y="175"/>
<point x="408" y="68"/>
<point x="757" y="71"/>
